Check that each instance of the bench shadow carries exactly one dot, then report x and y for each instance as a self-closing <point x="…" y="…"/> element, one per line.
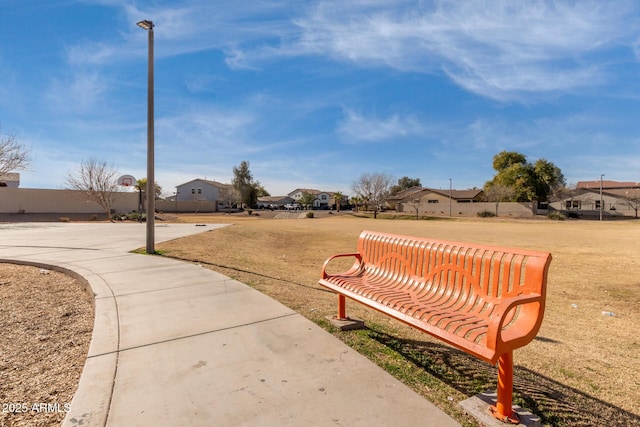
<point x="547" y="340"/>
<point x="555" y="403"/>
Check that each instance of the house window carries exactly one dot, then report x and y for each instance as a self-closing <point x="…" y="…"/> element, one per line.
<point x="597" y="204"/>
<point x="573" y="204"/>
<point x="199" y="190"/>
<point x="193" y="191"/>
<point x="432" y="201"/>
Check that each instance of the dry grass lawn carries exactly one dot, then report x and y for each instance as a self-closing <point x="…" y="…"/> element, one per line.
<point x="583" y="368"/>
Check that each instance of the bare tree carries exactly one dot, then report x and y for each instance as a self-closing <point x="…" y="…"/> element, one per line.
<point x="498" y="193"/>
<point x="415" y="204"/>
<point x="373" y="187"/>
<point x="229" y="196"/>
<point x="562" y="193"/>
<point x="632" y="199"/>
<point x="13" y="155"/>
<point x="98" y="181"/>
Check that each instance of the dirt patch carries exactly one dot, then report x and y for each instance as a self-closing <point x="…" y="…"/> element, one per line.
<point x="46" y="319"/>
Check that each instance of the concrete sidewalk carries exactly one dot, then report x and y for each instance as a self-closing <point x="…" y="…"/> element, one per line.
<point x="176" y="344"/>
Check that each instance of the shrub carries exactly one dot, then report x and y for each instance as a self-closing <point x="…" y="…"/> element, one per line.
<point x="486" y="214"/>
<point x="64" y="219"/>
<point x="556" y="216"/>
<point x="309" y="214"/>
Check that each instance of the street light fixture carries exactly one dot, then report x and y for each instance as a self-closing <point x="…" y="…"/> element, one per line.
<point x="146" y="24"/>
<point x="151" y="182"/>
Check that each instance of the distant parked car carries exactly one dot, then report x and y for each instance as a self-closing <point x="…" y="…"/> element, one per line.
<point x="292" y="207"/>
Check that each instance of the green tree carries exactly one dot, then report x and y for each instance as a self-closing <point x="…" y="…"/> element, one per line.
<point x="337" y="197"/>
<point x="356" y="201"/>
<point x="404" y="183"/>
<point x="306" y="199"/>
<point x="261" y="191"/>
<point x="141" y="188"/>
<point x="527" y="182"/>
<point x="141" y="185"/>
<point x="548" y="178"/>
<point x="244" y="184"/>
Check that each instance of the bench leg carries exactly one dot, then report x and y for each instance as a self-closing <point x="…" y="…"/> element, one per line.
<point x="503" y="410"/>
<point x="342" y="308"/>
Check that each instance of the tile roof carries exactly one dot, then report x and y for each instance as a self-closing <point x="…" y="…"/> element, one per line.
<point x="595" y="184"/>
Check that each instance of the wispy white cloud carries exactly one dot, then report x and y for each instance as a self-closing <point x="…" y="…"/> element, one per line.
<point x="268" y="82"/>
<point x="504" y="49"/>
<point x="90" y="53"/>
<point x="359" y="128"/>
<point x="78" y="93"/>
<point x="206" y="128"/>
<point x="497" y="49"/>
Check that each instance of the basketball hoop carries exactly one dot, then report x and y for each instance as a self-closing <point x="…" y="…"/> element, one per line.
<point x="126" y="180"/>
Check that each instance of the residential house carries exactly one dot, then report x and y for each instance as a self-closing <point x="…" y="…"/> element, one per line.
<point x="430" y="200"/>
<point x="322" y="199"/>
<point x="612" y="198"/>
<point x="405" y="195"/>
<point x="10" y="180"/>
<point x="201" y="195"/>
<point x="607" y="185"/>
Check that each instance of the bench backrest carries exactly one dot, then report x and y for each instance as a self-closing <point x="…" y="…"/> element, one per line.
<point x="486" y="271"/>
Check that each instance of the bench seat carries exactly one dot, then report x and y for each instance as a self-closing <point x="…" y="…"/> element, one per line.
<point x="484" y="300"/>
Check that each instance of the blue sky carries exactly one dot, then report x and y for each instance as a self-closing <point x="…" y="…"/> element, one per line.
<point x="315" y="93"/>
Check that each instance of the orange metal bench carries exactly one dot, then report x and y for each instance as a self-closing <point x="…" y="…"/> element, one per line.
<point x="484" y="300"/>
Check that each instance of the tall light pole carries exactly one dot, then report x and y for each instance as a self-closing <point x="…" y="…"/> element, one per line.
<point x="601" y="175"/>
<point x="450" y="191"/>
<point x="151" y="181"/>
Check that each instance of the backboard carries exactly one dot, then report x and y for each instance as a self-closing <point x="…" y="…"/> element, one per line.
<point x="126" y="180"/>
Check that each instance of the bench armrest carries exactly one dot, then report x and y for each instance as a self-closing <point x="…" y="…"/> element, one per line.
<point x="354" y="268"/>
<point x="525" y="326"/>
